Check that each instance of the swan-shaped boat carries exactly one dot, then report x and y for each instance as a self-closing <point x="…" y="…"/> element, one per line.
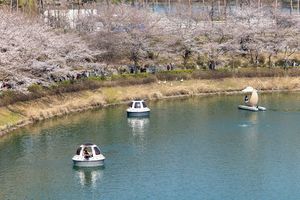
<point x="138" y="108"/>
<point x="251" y="103"/>
<point x="88" y="155"/>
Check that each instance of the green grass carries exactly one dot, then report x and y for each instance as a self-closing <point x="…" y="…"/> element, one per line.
<point x="111" y="95"/>
<point x="130" y="76"/>
<point x="175" y="74"/>
<point x="8" y="117"/>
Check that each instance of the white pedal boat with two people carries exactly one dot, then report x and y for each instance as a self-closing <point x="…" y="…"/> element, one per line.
<point x="88" y="155"/>
<point x="250" y="103"/>
<point x="138" y="108"/>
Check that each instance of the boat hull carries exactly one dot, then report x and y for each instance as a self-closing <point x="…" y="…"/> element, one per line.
<point x="252" y="108"/>
<point x="138" y="114"/>
<point x="260" y="108"/>
<point x="88" y="163"/>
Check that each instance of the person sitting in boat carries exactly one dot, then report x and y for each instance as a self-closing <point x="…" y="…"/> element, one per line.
<point x="246" y="99"/>
<point x="86" y="154"/>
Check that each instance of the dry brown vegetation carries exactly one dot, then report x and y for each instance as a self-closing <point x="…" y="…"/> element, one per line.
<point x="37" y="91"/>
<point x="22" y="113"/>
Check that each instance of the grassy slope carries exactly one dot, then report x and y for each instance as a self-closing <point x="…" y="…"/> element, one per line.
<point x="8" y="117"/>
<point x="23" y="113"/>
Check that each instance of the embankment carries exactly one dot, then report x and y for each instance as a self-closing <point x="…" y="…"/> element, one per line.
<point x="23" y="113"/>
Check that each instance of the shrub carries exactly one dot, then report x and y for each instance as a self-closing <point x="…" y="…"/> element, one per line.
<point x="208" y="74"/>
<point x="294" y="72"/>
<point x="10" y="97"/>
<point x="191" y="65"/>
<point x="234" y="63"/>
<point x="260" y="72"/>
<point x="36" y="90"/>
<point x="261" y="60"/>
<point x="73" y="86"/>
<point x="202" y="61"/>
<point x="174" y="75"/>
<point x="130" y="76"/>
<point x="133" y="81"/>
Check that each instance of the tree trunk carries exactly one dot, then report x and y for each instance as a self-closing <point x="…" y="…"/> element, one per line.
<point x="270" y="60"/>
<point x="212" y="64"/>
<point x="190" y="7"/>
<point x="212" y="11"/>
<point x="225" y="9"/>
<point x="11" y="5"/>
<point x="256" y="59"/>
<point x="41" y="7"/>
<point x="291" y="3"/>
<point x="251" y="58"/>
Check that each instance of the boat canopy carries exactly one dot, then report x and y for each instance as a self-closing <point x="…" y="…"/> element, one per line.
<point x="88" y="144"/>
<point x="248" y="89"/>
<point x="138" y="104"/>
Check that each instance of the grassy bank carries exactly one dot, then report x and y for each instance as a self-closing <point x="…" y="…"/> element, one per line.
<point x="26" y="112"/>
<point x="36" y="91"/>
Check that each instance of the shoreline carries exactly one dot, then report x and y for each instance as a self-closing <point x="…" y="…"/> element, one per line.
<point x="21" y="114"/>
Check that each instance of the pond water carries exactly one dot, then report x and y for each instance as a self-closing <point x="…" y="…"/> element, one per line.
<point x="196" y="148"/>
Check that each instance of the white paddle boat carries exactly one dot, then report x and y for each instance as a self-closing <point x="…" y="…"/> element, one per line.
<point x="251" y="103"/>
<point x="88" y="155"/>
<point x="138" y="108"/>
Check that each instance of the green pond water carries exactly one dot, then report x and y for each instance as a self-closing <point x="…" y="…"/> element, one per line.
<point x="196" y="148"/>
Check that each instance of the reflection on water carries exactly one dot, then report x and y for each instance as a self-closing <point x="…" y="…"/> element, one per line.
<point x="138" y="125"/>
<point x="251" y="130"/>
<point x="250" y="118"/>
<point x="89" y="176"/>
<point x="63" y="122"/>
